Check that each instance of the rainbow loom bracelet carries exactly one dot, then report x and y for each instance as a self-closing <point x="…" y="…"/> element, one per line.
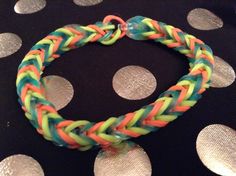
<point x="82" y="134"/>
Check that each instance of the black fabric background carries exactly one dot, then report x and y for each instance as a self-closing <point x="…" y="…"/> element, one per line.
<point x="90" y="69"/>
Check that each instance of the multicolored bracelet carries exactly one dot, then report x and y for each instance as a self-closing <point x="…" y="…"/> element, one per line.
<point x="82" y="134"/>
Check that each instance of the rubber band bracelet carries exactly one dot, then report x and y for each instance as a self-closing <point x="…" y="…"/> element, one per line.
<point x="82" y="134"/>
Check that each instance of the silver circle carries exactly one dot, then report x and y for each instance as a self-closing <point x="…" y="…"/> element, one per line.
<point x="87" y="2"/>
<point x="223" y="74"/>
<point x="216" y="147"/>
<point x="134" y="82"/>
<point x="9" y="44"/>
<point x="58" y="90"/>
<point x="204" y="19"/>
<point x="29" y="6"/>
<point x="20" y="165"/>
<point x="128" y="161"/>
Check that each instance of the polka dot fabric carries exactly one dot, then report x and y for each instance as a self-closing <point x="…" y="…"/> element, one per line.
<point x="90" y="70"/>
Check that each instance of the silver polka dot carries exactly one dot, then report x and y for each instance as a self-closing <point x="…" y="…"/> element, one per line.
<point x="87" y="2"/>
<point x="9" y="44"/>
<point x="134" y="82"/>
<point x="128" y="161"/>
<point x="223" y="74"/>
<point x="216" y="147"/>
<point x="20" y="165"/>
<point x="58" y="90"/>
<point x="29" y="6"/>
<point x="204" y="19"/>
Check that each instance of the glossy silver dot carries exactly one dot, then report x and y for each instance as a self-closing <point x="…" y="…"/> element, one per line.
<point x="87" y="2"/>
<point x="204" y="19"/>
<point x="223" y="74"/>
<point x="216" y="147"/>
<point x="128" y="161"/>
<point x="29" y="6"/>
<point x="9" y="44"/>
<point x="58" y="90"/>
<point x="134" y="82"/>
<point x="20" y="165"/>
